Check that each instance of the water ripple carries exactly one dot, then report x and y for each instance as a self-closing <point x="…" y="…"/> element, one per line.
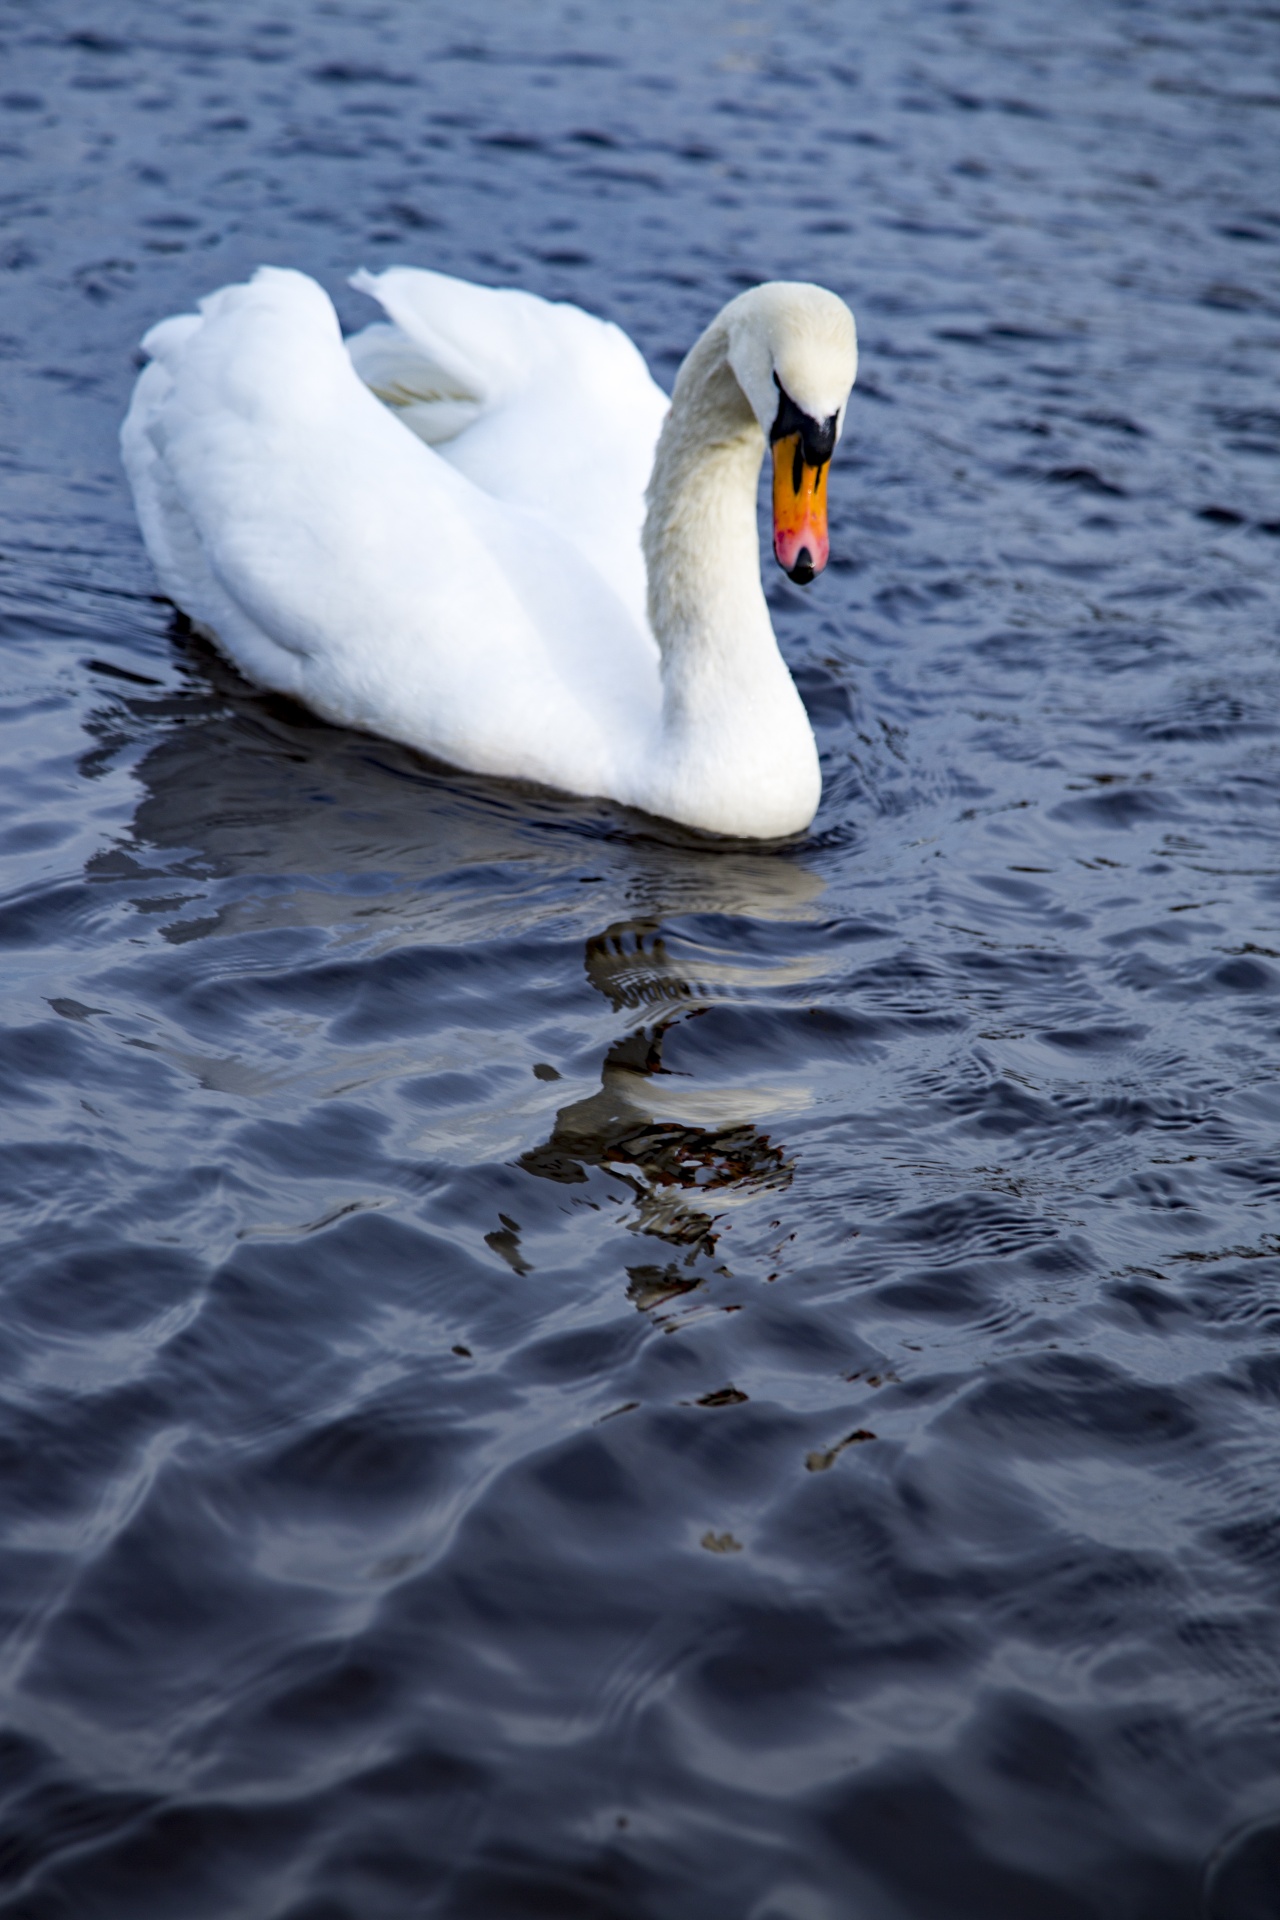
<point x="546" y="1366"/>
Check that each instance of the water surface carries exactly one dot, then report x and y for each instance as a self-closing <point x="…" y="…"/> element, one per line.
<point x="549" y="1367"/>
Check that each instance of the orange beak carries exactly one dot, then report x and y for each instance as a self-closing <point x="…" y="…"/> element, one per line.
<point x="800" y="543"/>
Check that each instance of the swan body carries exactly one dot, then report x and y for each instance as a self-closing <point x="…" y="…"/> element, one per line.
<point x="477" y="527"/>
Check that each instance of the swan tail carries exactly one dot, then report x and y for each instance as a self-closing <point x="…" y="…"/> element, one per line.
<point x="168" y="531"/>
<point x="242" y="356"/>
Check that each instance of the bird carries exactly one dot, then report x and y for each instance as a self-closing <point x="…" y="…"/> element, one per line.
<point x="478" y="527"/>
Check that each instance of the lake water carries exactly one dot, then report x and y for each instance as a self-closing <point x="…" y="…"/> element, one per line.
<point x="550" y="1367"/>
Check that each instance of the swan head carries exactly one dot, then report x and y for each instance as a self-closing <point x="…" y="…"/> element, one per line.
<point x="793" y="349"/>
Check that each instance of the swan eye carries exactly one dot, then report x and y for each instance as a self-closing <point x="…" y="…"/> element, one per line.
<point x="817" y="438"/>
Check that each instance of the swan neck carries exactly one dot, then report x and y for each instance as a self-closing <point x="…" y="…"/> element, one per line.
<point x="734" y="753"/>
<point x="700" y="541"/>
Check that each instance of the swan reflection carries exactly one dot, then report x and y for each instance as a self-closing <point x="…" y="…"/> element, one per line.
<point x="682" y="1174"/>
<point x="351" y="856"/>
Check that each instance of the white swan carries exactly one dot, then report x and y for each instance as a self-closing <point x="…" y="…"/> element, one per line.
<point x="490" y="586"/>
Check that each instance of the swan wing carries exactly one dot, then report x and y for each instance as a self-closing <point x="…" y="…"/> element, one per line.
<point x="340" y="560"/>
<point x="433" y="400"/>
<point x="540" y="404"/>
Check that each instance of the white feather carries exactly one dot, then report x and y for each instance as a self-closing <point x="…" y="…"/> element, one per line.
<point x="475" y="587"/>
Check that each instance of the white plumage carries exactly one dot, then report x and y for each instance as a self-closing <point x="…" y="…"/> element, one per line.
<point x="433" y="531"/>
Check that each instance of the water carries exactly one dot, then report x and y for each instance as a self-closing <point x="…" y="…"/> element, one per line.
<point x="550" y="1368"/>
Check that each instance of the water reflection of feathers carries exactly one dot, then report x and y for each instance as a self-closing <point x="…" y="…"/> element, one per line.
<point x="255" y="785"/>
<point x="666" y="1163"/>
<point x="274" y="822"/>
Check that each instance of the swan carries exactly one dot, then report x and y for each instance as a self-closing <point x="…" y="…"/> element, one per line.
<point x="478" y="527"/>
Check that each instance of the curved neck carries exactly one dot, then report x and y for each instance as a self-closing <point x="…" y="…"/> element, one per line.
<point x="700" y="542"/>
<point x="736" y="751"/>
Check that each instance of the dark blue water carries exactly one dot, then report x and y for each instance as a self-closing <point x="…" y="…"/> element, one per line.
<point x="550" y="1368"/>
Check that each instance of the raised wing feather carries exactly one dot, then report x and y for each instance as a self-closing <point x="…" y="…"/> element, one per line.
<point x="537" y="402"/>
<point x="414" y="385"/>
